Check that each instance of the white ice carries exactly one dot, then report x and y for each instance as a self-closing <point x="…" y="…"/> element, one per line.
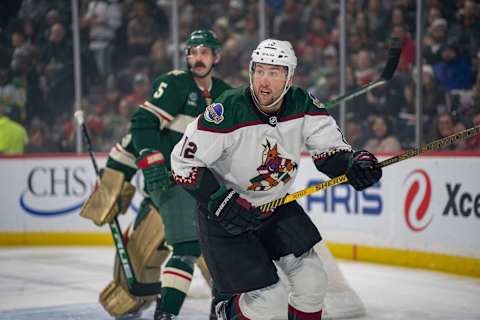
<point x="63" y="283"/>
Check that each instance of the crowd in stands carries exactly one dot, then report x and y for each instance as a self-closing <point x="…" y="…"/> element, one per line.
<point x="126" y="44"/>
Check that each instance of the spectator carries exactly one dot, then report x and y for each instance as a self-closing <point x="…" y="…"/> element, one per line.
<point x="461" y="144"/>
<point x="159" y="60"/>
<point x="317" y="33"/>
<point x="434" y="13"/>
<point x="355" y="134"/>
<point x="12" y="95"/>
<point x="362" y="29"/>
<point x="466" y="32"/>
<point x="286" y="24"/>
<point x="33" y="9"/>
<point x="474" y="142"/>
<point x="248" y="38"/>
<point x="435" y="40"/>
<point x="377" y="20"/>
<point x="398" y="17"/>
<point x="387" y="100"/>
<point x="383" y="140"/>
<point x="57" y="67"/>
<point x="140" y="92"/>
<point x="39" y="141"/>
<point x="364" y="71"/>
<point x="221" y="29"/>
<point x="51" y="18"/>
<point x="25" y="77"/>
<point x="13" y="136"/>
<point x="435" y="99"/>
<point x="141" y="30"/>
<point x="408" y="48"/>
<point x="103" y="19"/>
<point x="444" y="126"/>
<point x="476" y="92"/>
<point x="453" y="71"/>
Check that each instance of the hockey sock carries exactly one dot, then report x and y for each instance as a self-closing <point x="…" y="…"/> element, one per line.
<point x="295" y="314"/>
<point x="177" y="276"/>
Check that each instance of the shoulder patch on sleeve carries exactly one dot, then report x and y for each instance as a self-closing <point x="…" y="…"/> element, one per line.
<point x="214" y="113"/>
<point x="316" y="101"/>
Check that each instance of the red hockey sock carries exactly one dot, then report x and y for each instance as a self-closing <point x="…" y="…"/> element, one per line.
<point x="295" y="314"/>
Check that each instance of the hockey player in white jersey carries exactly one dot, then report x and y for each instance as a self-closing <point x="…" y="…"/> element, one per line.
<point x="243" y="152"/>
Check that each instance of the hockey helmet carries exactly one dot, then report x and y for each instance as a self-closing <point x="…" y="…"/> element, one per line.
<point x="275" y="52"/>
<point x="205" y="38"/>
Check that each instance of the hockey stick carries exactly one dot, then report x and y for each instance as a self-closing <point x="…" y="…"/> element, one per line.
<point x="136" y="288"/>
<point x="343" y="178"/>
<point x="394" y="53"/>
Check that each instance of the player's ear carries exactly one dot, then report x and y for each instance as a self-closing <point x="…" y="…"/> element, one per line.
<point x="218" y="57"/>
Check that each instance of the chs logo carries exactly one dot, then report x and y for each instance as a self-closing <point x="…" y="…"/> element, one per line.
<point x="53" y="191"/>
<point x="417" y="200"/>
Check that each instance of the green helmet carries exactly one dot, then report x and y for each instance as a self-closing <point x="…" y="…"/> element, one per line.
<point x="205" y="38"/>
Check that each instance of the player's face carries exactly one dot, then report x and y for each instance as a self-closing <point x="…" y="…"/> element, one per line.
<point x="268" y="82"/>
<point x="201" y="60"/>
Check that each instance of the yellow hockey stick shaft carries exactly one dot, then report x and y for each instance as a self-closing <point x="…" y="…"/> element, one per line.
<point x="465" y="134"/>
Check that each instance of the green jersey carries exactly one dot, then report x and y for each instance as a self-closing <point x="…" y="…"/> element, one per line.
<point x="158" y="124"/>
<point x="176" y="100"/>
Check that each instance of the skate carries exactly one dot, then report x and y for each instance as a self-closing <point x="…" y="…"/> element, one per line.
<point x="221" y="310"/>
<point x="162" y="315"/>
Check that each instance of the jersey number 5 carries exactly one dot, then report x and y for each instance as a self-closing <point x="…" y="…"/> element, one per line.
<point x="188" y="149"/>
<point x="161" y="88"/>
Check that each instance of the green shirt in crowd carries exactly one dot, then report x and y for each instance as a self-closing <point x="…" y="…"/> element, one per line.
<point x="13" y="136"/>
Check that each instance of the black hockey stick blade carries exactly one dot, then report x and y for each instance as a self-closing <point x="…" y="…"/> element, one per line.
<point x="394" y="53"/>
<point x="141" y="289"/>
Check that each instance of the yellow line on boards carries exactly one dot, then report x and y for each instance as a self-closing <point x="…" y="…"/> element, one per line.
<point x="408" y="258"/>
<point x="55" y="239"/>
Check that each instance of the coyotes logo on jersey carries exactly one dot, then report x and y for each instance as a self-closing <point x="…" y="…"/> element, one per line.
<point x="273" y="170"/>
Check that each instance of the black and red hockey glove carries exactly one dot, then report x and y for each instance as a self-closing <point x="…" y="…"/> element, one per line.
<point x="362" y="171"/>
<point x="234" y="213"/>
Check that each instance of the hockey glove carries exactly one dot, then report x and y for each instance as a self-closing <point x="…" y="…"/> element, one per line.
<point x="155" y="172"/>
<point x="362" y="171"/>
<point x="233" y="212"/>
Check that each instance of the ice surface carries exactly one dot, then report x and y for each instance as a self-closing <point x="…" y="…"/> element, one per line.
<point x="63" y="283"/>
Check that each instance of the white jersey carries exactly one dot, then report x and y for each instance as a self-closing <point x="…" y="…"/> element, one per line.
<point x="251" y="153"/>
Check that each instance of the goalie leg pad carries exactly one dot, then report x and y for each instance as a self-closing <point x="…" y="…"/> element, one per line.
<point x="126" y="195"/>
<point x="101" y="206"/>
<point x="117" y="301"/>
<point x="143" y="246"/>
<point x="147" y="254"/>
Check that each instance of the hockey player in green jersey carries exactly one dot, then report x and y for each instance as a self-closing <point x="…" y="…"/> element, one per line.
<point x="157" y="125"/>
<point x="145" y="244"/>
<point x="244" y="152"/>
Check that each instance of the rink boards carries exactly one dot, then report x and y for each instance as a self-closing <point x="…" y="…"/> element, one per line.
<point x="425" y="212"/>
